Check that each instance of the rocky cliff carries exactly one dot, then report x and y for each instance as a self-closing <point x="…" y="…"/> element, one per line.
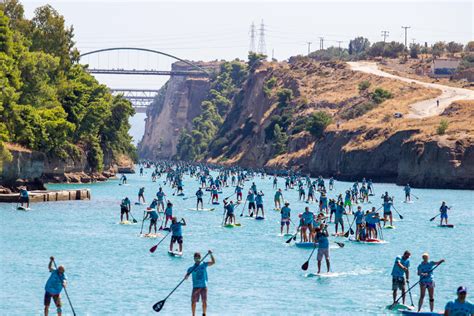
<point x="270" y="125"/>
<point x="174" y="108"/>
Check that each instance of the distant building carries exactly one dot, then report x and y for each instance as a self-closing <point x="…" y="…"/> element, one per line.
<point x="444" y="67"/>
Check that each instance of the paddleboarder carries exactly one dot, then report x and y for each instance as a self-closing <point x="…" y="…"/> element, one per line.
<point x="123" y="179"/>
<point x="251" y="200"/>
<point x="407" y="190"/>
<point x="153" y="214"/>
<point x="55" y="284"/>
<point x="168" y="212"/>
<point x="285" y="217"/>
<point x="24" y="197"/>
<point x="177" y="233"/>
<point x="199" y="195"/>
<point x="277" y="199"/>
<point x="199" y="277"/>
<point x="160" y="195"/>
<point x="400" y="270"/>
<point x="141" y="195"/>
<point x="425" y="271"/>
<point x="444" y="213"/>
<point x="125" y="208"/>
<point x="460" y="306"/>
<point x="323" y="246"/>
<point x="229" y="209"/>
<point x="259" y="202"/>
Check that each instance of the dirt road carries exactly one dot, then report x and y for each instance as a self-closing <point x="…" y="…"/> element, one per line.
<point x="423" y="108"/>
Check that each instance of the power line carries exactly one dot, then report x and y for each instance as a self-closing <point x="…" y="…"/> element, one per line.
<point x="406" y="28"/>
<point x="385" y="35"/>
<point x="252" y="38"/>
<point x="262" y="49"/>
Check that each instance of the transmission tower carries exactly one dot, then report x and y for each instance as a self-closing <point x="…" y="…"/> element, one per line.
<point x="261" y="40"/>
<point x="252" y="38"/>
<point x="385" y="35"/>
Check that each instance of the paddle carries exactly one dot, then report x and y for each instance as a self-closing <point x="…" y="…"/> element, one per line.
<point x="143" y="222"/>
<point x="152" y="249"/>
<point x="409" y="289"/>
<point x="415" y="196"/>
<point x="351" y="231"/>
<point x="433" y="218"/>
<point x="306" y="264"/>
<point x="243" y="209"/>
<point x="401" y="217"/>
<point x="65" y="291"/>
<point x="158" y="306"/>
<point x="134" y="220"/>
<point x="340" y="244"/>
<point x="223" y="216"/>
<point x="294" y="236"/>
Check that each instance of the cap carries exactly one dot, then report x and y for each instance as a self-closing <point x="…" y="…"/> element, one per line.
<point x="287" y="203"/>
<point x="425" y="254"/>
<point x="462" y="289"/>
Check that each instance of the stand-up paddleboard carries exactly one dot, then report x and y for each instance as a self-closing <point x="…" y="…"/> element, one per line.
<point x="166" y="229"/>
<point x="124" y="184"/>
<point x="259" y="218"/>
<point x="277" y="209"/>
<point x="338" y="234"/>
<point x="232" y="225"/>
<point x="22" y="208"/>
<point x="408" y="202"/>
<point x="305" y="244"/>
<point x="447" y="226"/>
<point x="389" y="227"/>
<point x="368" y="241"/>
<point x="323" y="275"/>
<point x="150" y="235"/>
<point x="287" y="235"/>
<point x="407" y="312"/>
<point x="175" y="253"/>
<point x="201" y="209"/>
<point x="138" y="203"/>
<point x="400" y="307"/>
<point x="215" y="203"/>
<point x="180" y="194"/>
<point x="126" y="223"/>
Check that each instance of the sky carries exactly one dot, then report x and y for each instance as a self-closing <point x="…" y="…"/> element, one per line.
<point x="209" y="30"/>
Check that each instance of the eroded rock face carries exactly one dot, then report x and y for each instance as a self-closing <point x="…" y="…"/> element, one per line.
<point x="437" y="164"/>
<point x="178" y="103"/>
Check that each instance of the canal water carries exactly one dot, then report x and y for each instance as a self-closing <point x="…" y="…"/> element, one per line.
<point x="111" y="271"/>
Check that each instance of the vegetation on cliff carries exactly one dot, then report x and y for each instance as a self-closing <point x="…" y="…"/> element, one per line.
<point x="49" y="102"/>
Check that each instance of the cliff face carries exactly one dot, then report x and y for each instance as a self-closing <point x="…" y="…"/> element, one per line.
<point x="177" y="104"/>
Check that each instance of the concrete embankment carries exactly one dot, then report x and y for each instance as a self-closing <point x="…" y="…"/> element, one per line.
<point x="49" y="196"/>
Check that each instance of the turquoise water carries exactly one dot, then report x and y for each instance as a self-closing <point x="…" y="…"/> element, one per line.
<point x="111" y="271"/>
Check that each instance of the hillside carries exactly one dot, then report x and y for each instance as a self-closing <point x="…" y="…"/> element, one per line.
<point x="324" y="118"/>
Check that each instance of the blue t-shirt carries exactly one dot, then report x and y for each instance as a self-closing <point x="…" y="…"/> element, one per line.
<point x="199" y="193"/>
<point x="54" y="285"/>
<point x="259" y="199"/>
<point x="455" y="308"/>
<point x="153" y="214"/>
<point x="230" y="208"/>
<point x="251" y="198"/>
<point x="443" y="209"/>
<point x="169" y="210"/>
<point x="160" y="195"/>
<point x="23" y="193"/>
<point x="199" y="275"/>
<point x="153" y="204"/>
<point x="323" y="242"/>
<point x="307" y="218"/>
<point x="386" y="207"/>
<point x="426" y="268"/>
<point x="397" y="271"/>
<point x="176" y="229"/>
<point x="278" y="195"/>
<point x="359" y="215"/>
<point x="339" y="211"/>
<point x="285" y="212"/>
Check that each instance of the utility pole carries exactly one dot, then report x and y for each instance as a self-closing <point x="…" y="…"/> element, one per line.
<point x="340" y="51"/>
<point x="406" y="28"/>
<point x="273" y="53"/>
<point x="321" y="43"/>
<point x="261" y="39"/>
<point x="385" y="35"/>
<point x="309" y="47"/>
<point x="252" y="38"/>
<point x="413" y="41"/>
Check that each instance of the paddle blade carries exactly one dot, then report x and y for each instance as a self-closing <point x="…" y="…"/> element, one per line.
<point x="432" y="219"/>
<point x="305" y="266"/>
<point x="289" y="240"/>
<point x="158" y="306"/>
<point x="340" y="244"/>
<point x="352" y="231"/>
<point x="152" y="249"/>
<point x="135" y="221"/>
<point x="346" y="234"/>
<point x="401" y="217"/>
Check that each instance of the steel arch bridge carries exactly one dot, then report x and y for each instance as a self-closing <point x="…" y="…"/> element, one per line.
<point x="141" y="98"/>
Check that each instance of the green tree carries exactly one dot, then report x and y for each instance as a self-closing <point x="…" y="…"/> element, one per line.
<point x="453" y="48"/>
<point x="280" y="140"/>
<point x="317" y="123"/>
<point x="415" y="49"/>
<point x="359" y="46"/>
<point x="438" y="49"/>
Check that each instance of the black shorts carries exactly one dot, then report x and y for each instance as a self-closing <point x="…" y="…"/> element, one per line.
<point x="153" y="221"/>
<point x="24" y="199"/>
<point x="199" y="200"/>
<point x="123" y="210"/>
<point x="178" y="239"/>
<point x="56" y="298"/>
<point x="251" y="205"/>
<point x="180" y="188"/>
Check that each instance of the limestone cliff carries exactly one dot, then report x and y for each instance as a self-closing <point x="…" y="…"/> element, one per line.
<point x="174" y="108"/>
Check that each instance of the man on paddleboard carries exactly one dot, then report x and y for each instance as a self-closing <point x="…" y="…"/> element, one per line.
<point x="323" y="246"/>
<point x="399" y="271"/>
<point x="24" y="197"/>
<point x="444" y="213"/>
<point x="125" y="208"/>
<point x="407" y="190"/>
<point x="177" y="233"/>
<point x="55" y="284"/>
<point x="460" y="306"/>
<point x="153" y="214"/>
<point x="199" y="277"/>
<point x="425" y="271"/>
<point x="199" y="195"/>
<point x="285" y="217"/>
